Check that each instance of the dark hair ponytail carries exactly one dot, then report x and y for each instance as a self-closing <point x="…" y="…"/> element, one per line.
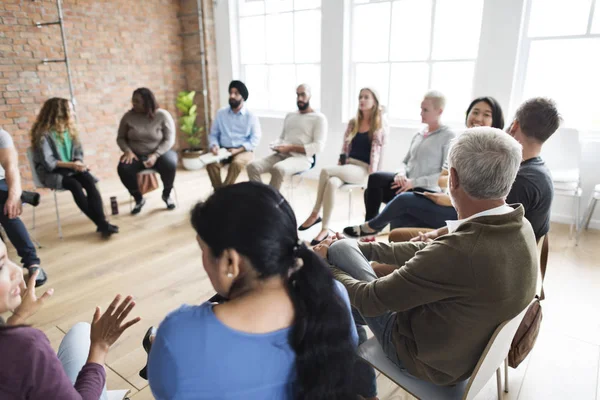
<point x="256" y="221"/>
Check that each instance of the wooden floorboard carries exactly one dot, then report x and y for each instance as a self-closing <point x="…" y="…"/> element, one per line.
<point x="156" y="259"/>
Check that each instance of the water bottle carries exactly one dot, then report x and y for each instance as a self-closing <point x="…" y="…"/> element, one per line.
<point x="114" y="205"/>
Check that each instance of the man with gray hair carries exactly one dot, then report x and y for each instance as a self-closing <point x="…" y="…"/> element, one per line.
<point x="434" y="315"/>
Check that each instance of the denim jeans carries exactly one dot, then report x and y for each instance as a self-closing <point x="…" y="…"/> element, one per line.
<point x="409" y="210"/>
<point x="18" y="235"/>
<point x="346" y="256"/>
<point x="73" y="352"/>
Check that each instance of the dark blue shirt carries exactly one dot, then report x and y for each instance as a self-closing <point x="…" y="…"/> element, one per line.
<point x="360" y="148"/>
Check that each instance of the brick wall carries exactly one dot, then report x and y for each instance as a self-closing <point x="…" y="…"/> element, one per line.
<point x="114" y="46"/>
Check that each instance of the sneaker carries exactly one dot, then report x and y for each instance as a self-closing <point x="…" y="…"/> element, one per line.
<point x="138" y="206"/>
<point x="42" y="276"/>
<point x="169" y="202"/>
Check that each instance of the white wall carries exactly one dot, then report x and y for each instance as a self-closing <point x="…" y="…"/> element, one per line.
<point x="494" y="76"/>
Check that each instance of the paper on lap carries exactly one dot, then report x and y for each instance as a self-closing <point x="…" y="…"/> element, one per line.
<point x="210" y="158"/>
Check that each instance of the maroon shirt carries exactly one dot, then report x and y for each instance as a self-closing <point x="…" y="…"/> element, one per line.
<point x="30" y="369"/>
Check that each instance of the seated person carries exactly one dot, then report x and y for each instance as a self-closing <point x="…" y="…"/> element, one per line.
<point x="58" y="158"/>
<point x="11" y="208"/>
<point x="423" y="165"/>
<point x="303" y="137"/>
<point x="434" y="315"/>
<point x="146" y="137"/>
<point x="236" y="129"/>
<point x="361" y="155"/>
<point x="30" y="368"/>
<point x="535" y="121"/>
<point x="285" y="330"/>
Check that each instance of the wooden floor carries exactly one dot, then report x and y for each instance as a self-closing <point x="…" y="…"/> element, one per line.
<point x="155" y="258"/>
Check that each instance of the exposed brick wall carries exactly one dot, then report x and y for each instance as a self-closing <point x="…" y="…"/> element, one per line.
<point x="114" y="47"/>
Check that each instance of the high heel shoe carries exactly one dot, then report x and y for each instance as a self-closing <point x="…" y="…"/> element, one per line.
<point x="304" y="228"/>
<point x="146" y="344"/>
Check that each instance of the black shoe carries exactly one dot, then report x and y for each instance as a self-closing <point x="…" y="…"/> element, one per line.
<point x="109" y="231"/>
<point x="138" y="206"/>
<point x="315" y="242"/>
<point x="41" y="278"/>
<point x="169" y="202"/>
<point x="358" y="232"/>
<point x="302" y="228"/>
<point x="113" y="228"/>
<point x="146" y="344"/>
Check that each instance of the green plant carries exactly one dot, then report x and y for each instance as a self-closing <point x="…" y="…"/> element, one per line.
<point x="193" y="132"/>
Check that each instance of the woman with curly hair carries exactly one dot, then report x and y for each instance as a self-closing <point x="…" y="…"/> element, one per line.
<point x="58" y="158"/>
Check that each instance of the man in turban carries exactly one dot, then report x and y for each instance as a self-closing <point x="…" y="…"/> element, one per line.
<point x="236" y="129"/>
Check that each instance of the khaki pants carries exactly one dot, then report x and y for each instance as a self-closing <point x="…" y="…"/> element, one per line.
<point x="354" y="172"/>
<point x="279" y="166"/>
<point x="238" y="162"/>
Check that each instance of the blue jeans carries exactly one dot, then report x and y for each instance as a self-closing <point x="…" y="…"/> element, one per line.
<point x="346" y="256"/>
<point x="18" y="235"/>
<point x="73" y="352"/>
<point x="409" y="210"/>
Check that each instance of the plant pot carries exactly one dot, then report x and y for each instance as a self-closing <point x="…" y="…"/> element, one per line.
<point x="190" y="159"/>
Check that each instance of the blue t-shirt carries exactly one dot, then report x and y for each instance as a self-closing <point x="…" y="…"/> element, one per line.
<point x="361" y="147"/>
<point x="196" y="356"/>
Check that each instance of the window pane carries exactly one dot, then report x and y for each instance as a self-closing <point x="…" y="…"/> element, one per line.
<point x="455" y="81"/>
<point x="282" y="87"/>
<point x="457" y="29"/>
<point x="256" y="78"/>
<point x="280" y="38"/>
<point x="252" y="40"/>
<point x="559" y="17"/>
<point x="576" y="91"/>
<point x="596" y="21"/>
<point x="411" y="30"/>
<point x="306" y="4"/>
<point x="371" y="32"/>
<point x="275" y="6"/>
<point x="307" y="36"/>
<point x="311" y="75"/>
<point x="409" y="83"/>
<point x="375" y="76"/>
<point x="251" y="7"/>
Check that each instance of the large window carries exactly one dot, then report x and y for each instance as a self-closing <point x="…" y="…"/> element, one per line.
<point x="280" y="47"/>
<point x="561" y="58"/>
<point x="403" y="48"/>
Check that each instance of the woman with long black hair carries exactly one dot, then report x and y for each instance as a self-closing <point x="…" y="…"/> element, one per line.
<point x="285" y="331"/>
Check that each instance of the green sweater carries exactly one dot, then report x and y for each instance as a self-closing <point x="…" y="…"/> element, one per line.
<point x="452" y="294"/>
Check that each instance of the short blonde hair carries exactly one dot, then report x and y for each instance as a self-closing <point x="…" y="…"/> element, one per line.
<point x="437" y="98"/>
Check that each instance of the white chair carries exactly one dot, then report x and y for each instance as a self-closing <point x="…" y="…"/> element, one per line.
<point x="349" y="188"/>
<point x="150" y="171"/>
<point x="293" y="185"/>
<point x="493" y="356"/>
<point x="562" y="154"/>
<point x="39" y="185"/>
<point x="587" y="216"/>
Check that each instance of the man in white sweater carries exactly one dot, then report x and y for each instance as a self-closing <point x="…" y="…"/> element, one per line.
<point x="303" y="137"/>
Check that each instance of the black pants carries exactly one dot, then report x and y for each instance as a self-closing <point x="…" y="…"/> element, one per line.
<point x="378" y="191"/>
<point x="90" y="202"/>
<point x="17" y="234"/>
<point x="166" y="166"/>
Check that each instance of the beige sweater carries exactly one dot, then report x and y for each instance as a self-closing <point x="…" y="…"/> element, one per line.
<point x="145" y="136"/>
<point x="452" y="294"/>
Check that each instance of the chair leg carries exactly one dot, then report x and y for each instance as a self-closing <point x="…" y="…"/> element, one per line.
<point x="33" y="228"/>
<point x="60" y="235"/>
<point x="349" y="206"/>
<point x="506" y="375"/>
<point x="176" y="197"/>
<point x="499" y="383"/>
<point x="585" y="223"/>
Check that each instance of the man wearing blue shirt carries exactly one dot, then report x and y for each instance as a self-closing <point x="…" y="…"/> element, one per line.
<point x="236" y="129"/>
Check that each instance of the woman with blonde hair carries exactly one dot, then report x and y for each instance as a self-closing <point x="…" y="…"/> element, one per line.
<point x="58" y="158"/>
<point x="361" y="155"/>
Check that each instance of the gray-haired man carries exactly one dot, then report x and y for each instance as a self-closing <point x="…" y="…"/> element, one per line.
<point x="434" y="315"/>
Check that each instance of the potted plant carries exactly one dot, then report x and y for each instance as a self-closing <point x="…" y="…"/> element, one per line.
<point x="193" y="132"/>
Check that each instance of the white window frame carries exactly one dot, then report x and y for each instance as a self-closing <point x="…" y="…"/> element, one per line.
<point x="408" y="123"/>
<point x="524" y="50"/>
<point x="270" y="113"/>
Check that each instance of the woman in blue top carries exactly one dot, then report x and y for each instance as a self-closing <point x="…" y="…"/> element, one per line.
<point x="285" y="332"/>
<point x="58" y="158"/>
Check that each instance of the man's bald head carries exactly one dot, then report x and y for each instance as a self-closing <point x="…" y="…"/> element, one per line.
<point x="303" y="94"/>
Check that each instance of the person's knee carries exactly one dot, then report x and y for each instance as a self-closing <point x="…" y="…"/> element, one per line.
<point x="279" y="171"/>
<point x="252" y="168"/>
<point x="376" y="179"/>
<point x="338" y="251"/>
<point x="81" y="328"/>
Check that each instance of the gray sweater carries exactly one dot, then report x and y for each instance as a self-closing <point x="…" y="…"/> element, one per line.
<point x="145" y="136"/>
<point x="426" y="157"/>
